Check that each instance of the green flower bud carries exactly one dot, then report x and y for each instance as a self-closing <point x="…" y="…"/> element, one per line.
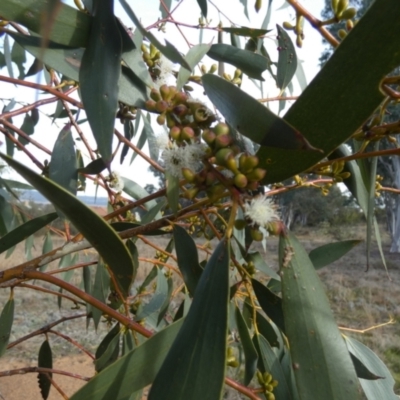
<point x="341" y="7"/>
<point x="256" y="235"/>
<point x="208" y="136"/>
<point x="180" y="110"/>
<point x="350" y="13"/>
<point x="155" y="94"/>
<point x="187" y="133"/>
<point x="150" y="105"/>
<point x="165" y="92"/>
<point x="223" y="155"/>
<point x="213" y="69"/>
<point x="240" y="224"/>
<point x="240" y="181"/>
<point x="180" y="98"/>
<point x="175" y="133"/>
<point x="161" y="106"/>
<point x="342" y="33"/>
<point x="222" y="141"/>
<point x="191" y="193"/>
<point x="288" y="26"/>
<point x="221" y="129"/>
<point x="256" y="175"/>
<point x="161" y="119"/>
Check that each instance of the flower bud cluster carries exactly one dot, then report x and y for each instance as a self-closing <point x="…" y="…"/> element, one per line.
<point x="268" y="383"/>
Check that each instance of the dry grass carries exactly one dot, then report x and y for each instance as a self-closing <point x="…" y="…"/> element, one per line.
<point x="359" y="299"/>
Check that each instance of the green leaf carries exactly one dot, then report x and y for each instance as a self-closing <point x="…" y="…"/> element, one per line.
<point x="248" y="62"/>
<point x="250" y="353"/>
<point x="328" y="121"/>
<point x="99" y="75"/>
<point x="322" y="364"/>
<point x="329" y="253"/>
<point x="373" y="389"/>
<point x="269" y="362"/>
<point x="68" y="61"/>
<point x="172" y="191"/>
<point x="261" y="265"/>
<point x="19" y="234"/>
<point x="6" y="321"/>
<point x="188" y="259"/>
<point x="361" y="370"/>
<point x="164" y="307"/>
<point x="131" y="372"/>
<point x="137" y="192"/>
<point x="18" y="56"/>
<point x="101" y="288"/>
<point x="108" y="349"/>
<point x="168" y="50"/>
<point x="287" y="59"/>
<point x="194" y="357"/>
<point x="94" y="167"/>
<point x="47" y="247"/>
<point x="45" y="360"/>
<point x="250" y="117"/>
<point x="193" y="57"/>
<point x="158" y="298"/>
<point x="203" y="7"/>
<point x="270" y="303"/>
<point x="103" y="238"/>
<point x="70" y="26"/>
<point x="154" y="212"/>
<point x="7" y="56"/>
<point x="63" y="164"/>
<point x="246" y="31"/>
<point x="129" y="133"/>
<point x="128" y="342"/>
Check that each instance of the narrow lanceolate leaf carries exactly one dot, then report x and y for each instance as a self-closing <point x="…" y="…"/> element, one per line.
<point x="45" y="360"/>
<point x="99" y="75"/>
<point x="172" y="184"/>
<point x="246" y="31"/>
<point x="101" y="288"/>
<point x="328" y="121"/>
<point x="6" y="321"/>
<point x="199" y="351"/>
<point x="158" y="298"/>
<point x="203" y="7"/>
<point x="188" y="259"/>
<point x="70" y="26"/>
<point x="63" y="164"/>
<point x="94" y="167"/>
<point x="168" y="49"/>
<point x="250" y="117"/>
<point x="20" y="233"/>
<point x="108" y="349"/>
<point x="322" y="364"/>
<point x="270" y="303"/>
<point x="250" y="353"/>
<point x="68" y="61"/>
<point x="103" y="238"/>
<point x="250" y="63"/>
<point x="131" y="372"/>
<point x="193" y="57"/>
<point x="373" y="389"/>
<point x="287" y="59"/>
<point x="329" y="253"/>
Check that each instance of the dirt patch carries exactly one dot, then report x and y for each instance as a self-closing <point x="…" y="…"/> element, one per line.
<point x="22" y="387"/>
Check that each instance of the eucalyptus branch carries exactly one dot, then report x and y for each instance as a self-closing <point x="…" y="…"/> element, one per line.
<point x="315" y="23"/>
<point x="45" y="329"/>
<point x="25" y="370"/>
<point x="74" y="342"/>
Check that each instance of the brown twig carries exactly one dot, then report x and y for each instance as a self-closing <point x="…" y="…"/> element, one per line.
<point x="25" y="370"/>
<point x="315" y="22"/>
<point x="44" y="329"/>
<point x="72" y="341"/>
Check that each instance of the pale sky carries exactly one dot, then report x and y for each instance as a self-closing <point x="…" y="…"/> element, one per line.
<point x="189" y="13"/>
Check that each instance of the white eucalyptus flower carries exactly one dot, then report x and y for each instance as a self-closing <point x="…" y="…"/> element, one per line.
<point x="261" y="210"/>
<point x="175" y="158"/>
<point x="116" y="181"/>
